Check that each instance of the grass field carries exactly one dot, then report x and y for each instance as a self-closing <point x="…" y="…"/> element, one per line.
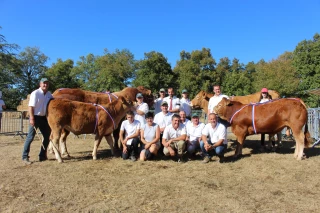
<point x="258" y="182"/>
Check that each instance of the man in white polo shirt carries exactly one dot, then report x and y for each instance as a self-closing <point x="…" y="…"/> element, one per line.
<point x="213" y="139"/>
<point x="185" y="103"/>
<point x="130" y="142"/>
<point x="214" y="100"/>
<point x="38" y="102"/>
<point x="173" y="139"/>
<point x="194" y="133"/>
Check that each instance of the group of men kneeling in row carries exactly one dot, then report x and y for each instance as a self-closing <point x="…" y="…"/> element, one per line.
<point x="172" y="134"/>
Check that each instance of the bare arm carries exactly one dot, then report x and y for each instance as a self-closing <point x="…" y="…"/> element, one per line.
<point x="31" y="115"/>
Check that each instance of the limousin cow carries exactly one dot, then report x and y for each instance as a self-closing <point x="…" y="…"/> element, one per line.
<point x="202" y="100"/>
<point x="85" y="118"/>
<point x="270" y="117"/>
<point x="99" y="98"/>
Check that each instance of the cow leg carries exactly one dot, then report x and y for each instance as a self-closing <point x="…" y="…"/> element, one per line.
<point x="238" y="151"/>
<point x="298" y="154"/>
<point x="95" y="147"/>
<point x="63" y="143"/>
<point x="110" y="142"/>
<point x="279" y="139"/>
<point x="116" y="139"/>
<point x="50" y="147"/>
<point x="55" y="145"/>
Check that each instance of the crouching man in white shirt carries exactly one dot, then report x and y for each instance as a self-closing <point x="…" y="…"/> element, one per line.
<point x="217" y="142"/>
<point x="173" y="139"/>
<point x="130" y="142"/>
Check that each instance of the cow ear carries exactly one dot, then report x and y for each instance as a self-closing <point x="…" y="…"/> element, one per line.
<point x="204" y="94"/>
<point x="228" y="102"/>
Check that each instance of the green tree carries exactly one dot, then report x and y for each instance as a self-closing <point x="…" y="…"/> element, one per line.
<point x="60" y="75"/>
<point x="86" y="73"/>
<point x="154" y="72"/>
<point x="278" y="74"/>
<point x="32" y="69"/>
<point x="237" y="81"/>
<point x="306" y="60"/>
<point x="196" y="71"/>
<point x="9" y="69"/>
<point x="115" y="70"/>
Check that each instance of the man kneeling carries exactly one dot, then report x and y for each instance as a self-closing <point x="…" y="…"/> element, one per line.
<point x="217" y="142"/>
<point x="174" y="137"/>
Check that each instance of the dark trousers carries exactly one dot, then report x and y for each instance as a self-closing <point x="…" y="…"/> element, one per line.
<point x="41" y="123"/>
<point x="132" y="150"/>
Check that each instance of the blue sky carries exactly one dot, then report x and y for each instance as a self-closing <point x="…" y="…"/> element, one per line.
<point x="249" y="30"/>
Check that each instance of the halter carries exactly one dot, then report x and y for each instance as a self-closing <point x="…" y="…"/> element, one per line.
<point x="97" y="117"/>
<point x="109" y="95"/>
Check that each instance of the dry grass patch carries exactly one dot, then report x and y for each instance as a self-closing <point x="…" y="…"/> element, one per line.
<point x="258" y="182"/>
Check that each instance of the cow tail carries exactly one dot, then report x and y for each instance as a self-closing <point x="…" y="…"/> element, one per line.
<point x="306" y="136"/>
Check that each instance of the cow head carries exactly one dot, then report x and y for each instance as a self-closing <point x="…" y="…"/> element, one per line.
<point x="144" y="91"/>
<point x="221" y="108"/>
<point x="197" y="101"/>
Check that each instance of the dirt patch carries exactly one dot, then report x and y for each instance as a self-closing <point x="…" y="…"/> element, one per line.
<point x="258" y="182"/>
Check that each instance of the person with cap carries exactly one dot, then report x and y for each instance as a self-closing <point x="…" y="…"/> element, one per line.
<point x="150" y="138"/>
<point x="183" y="118"/>
<point x="130" y="129"/>
<point x="213" y="139"/>
<point x="158" y="101"/>
<point x="194" y="133"/>
<point x="173" y="139"/>
<point x="140" y="109"/>
<point x="264" y="97"/>
<point x="173" y="101"/>
<point x="163" y="119"/>
<point x="185" y="103"/>
<point x="2" y="107"/>
<point x="215" y="99"/>
<point x="38" y="102"/>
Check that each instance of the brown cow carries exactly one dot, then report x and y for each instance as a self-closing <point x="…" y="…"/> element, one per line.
<point x="99" y="98"/>
<point x="269" y="117"/>
<point x="202" y="100"/>
<point x="85" y="118"/>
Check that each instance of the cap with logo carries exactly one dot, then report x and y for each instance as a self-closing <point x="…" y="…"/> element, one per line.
<point x="161" y="90"/>
<point x="195" y="115"/>
<point x="139" y="95"/>
<point x="43" y="80"/>
<point x="184" y="91"/>
<point x="164" y="103"/>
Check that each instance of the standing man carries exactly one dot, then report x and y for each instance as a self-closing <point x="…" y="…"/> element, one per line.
<point x="214" y="100"/>
<point x="213" y="139"/>
<point x="174" y="137"/>
<point x="173" y="101"/>
<point x="194" y="133"/>
<point x="38" y="102"/>
<point x="185" y="103"/>
<point x="158" y="101"/>
<point x="2" y="107"/>
<point x="130" y="142"/>
<point x="141" y="109"/>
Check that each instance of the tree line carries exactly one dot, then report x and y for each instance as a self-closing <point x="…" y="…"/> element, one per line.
<point x="292" y="74"/>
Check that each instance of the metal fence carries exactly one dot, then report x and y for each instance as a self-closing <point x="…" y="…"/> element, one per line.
<point x="14" y="123"/>
<point x="314" y="124"/>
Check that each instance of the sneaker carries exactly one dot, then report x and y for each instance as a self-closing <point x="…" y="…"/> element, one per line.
<point x="26" y="161"/>
<point x="221" y="159"/>
<point x="180" y="160"/>
<point x="206" y="159"/>
<point x="133" y="158"/>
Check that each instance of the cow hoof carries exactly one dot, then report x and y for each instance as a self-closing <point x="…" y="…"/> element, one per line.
<point x="66" y="156"/>
<point x="94" y="158"/>
<point x="60" y="161"/>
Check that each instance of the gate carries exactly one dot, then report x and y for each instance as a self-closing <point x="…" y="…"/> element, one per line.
<point x="14" y="123"/>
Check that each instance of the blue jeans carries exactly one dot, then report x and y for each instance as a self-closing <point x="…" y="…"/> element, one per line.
<point x="132" y="150"/>
<point x="41" y="123"/>
<point x="219" y="150"/>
